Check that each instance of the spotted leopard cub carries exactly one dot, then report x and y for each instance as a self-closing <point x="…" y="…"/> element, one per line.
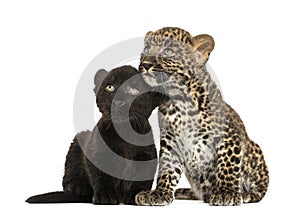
<point x="201" y="135"/>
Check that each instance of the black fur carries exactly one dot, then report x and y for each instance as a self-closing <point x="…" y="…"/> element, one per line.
<point x="83" y="181"/>
<point x="59" y="197"/>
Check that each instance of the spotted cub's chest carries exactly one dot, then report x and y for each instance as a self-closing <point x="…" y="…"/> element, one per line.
<point x="186" y="133"/>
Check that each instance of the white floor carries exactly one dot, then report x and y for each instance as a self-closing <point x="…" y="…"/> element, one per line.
<point x="177" y="207"/>
<point x="277" y="200"/>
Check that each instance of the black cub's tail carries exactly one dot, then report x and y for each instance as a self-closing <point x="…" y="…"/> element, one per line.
<point x="59" y="197"/>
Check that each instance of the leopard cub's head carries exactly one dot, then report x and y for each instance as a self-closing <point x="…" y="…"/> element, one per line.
<point x="171" y="55"/>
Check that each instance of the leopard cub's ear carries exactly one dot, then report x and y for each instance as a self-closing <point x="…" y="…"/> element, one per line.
<point x="148" y="35"/>
<point x="204" y="44"/>
<point x="98" y="79"/>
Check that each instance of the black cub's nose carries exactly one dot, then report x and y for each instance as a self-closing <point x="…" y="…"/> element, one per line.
<point x="147" y="66"/>
<point x="118" y="103"/>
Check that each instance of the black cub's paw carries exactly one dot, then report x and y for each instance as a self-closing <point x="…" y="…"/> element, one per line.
<point x="105" y="198"/>
<point x="78" y="188"/>
<point x="129" y="199"/>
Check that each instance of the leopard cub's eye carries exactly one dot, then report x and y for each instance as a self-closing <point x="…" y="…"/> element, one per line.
<point x="168" y="51"/>
<point x="133" y="91"/>
<point x="110" y="88"/>
<point x="147" y="49"/>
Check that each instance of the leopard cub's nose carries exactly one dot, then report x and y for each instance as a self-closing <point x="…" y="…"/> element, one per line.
<point x="146" y="66"/>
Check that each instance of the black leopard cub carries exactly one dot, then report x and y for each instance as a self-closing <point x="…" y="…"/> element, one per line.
<point x="110" y="164"/>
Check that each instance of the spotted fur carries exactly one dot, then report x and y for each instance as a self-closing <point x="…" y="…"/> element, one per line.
<point x="201" y="135"/>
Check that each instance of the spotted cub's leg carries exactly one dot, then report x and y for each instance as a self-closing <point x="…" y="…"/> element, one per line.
<point x="228" y="175"/>
<point x="170" y="170"/>
<point x="254" y="173"/>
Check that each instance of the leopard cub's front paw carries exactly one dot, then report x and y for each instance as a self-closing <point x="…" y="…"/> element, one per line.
<point x="226" y="198"/>
<point x="154" y="198"/>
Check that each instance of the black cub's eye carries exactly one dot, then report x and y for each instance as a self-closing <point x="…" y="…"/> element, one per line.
<point x="146" y="49"/>
<point x="133" y="91"/>
<point x="168" y="51"/>
<point x="110" y="88"/>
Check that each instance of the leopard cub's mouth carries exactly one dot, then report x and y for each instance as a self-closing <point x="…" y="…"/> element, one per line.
<point x="155" y="76"/>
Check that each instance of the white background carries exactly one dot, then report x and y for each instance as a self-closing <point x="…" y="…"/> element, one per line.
<point x="45" y="46"/>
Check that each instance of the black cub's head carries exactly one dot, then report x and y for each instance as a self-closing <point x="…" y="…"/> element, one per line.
<point x="122" y="94"/>
<point x="171" y="55"/>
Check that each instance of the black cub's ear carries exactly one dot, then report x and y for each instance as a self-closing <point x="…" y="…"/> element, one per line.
<point x="99" y="77"/>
